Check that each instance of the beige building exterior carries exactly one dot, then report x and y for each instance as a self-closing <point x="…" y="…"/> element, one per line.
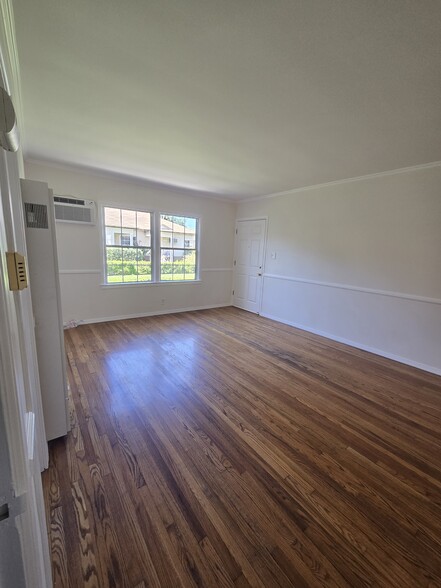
<point x="129" y="228"/>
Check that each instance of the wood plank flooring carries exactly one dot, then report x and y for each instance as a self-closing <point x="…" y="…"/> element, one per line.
<point x="221" y="449"/>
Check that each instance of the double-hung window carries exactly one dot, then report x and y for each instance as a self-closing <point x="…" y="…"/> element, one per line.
<point x="149" y="247"/>
<point x="178" y="247"/>
<point x="128" y="244"/>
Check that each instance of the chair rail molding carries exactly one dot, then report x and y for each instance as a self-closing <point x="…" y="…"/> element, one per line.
<point x="403" y="295"/>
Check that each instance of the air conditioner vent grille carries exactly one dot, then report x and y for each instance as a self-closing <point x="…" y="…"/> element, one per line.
<point x="73" y="214"/>
<point x="36" y="216"/>
<point x="66" y="200"/>
<point x="74" y="210"/>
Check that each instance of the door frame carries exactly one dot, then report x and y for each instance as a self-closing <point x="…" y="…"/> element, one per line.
<point x="19" y="380"/>
<point x="15" y="232"/>
<point x="21" y="421"/>
<point x="265" y="238"/>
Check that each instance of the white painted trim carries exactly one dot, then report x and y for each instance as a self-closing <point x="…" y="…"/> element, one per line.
<point x="143" y="314"/>
<point x="102" y="246"/>
<point x="79" y="271"/>
<point x="142" y="284"/>
<point x="13" y="403"/>
<point x="21" y="430"/>
<point x="155" y="248"/>
<point x="402" y="295"/>
<point x="121" y="177"/>
<point x="251" y="218"/>
<point x="380" y="352"/>
<point x="383" y="174"/>
<point x="30" y="433"/>
<point x="217" y="269"/>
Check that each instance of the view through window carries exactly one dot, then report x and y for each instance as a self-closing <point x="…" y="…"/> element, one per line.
<point x="178" y="247"/>
<point x="128" y="245"/>
<point x="133" y="254"/>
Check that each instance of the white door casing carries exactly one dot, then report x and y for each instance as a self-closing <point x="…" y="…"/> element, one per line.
<point x="24" y="448"/>
<point x="248" y="264"/>
<point x="20" y="404"/>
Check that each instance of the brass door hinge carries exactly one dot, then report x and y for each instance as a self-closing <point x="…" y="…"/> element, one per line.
<point x="16" y="271"/>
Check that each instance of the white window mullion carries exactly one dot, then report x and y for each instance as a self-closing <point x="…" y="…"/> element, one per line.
<point x="120" y="236"/>
<point x="197" y="246"/>
<point x="156" y="247"/>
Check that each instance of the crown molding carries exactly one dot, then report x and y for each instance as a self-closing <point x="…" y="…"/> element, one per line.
<point x="126" y="178"/>
<point x="392" y="172"/>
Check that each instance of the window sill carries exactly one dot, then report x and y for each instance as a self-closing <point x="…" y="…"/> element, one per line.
<point x="141" y="284"/>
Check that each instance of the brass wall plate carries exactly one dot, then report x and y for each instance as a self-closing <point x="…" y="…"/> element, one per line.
<point x="16" y="271"/>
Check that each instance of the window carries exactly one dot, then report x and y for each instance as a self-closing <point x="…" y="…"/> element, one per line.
<point x="125" y="239"/>
<point x="149" y="247"/>
<point x="178" y="262"/>
<point x="128" y="245"/>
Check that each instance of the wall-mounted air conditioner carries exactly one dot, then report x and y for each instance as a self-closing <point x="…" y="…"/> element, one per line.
<point x="74" y="210"/>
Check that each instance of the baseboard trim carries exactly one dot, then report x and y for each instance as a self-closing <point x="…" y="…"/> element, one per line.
<point x="380" y="352"/>
<point x="91" y="321"/>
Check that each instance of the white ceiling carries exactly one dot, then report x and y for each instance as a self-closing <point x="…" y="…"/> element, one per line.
<point x="232" y="97"/>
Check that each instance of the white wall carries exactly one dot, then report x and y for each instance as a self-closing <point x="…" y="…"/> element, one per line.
<point x="360" y="262"/>
<point x="357" y="261"/>
<point x="84" y="297"/>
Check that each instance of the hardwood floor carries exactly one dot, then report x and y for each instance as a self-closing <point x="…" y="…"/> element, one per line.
<point x="221" y="449"/>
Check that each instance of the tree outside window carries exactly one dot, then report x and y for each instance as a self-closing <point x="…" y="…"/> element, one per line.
<point x="128" y="245"/>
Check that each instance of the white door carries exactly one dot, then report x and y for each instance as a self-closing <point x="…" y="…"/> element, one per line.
<point x="248" y="264"/>
<point x="24" y="552"/>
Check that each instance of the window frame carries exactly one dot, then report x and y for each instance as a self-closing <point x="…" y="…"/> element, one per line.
<point x="104" y="244"/>
<point x="155" y="247"/>
<point x="183" y="248"/>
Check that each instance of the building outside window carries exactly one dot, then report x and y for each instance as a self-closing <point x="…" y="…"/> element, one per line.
<point x="180" y="261"/>
<point x="128" y="245"/>
<point x="132" y="254"/>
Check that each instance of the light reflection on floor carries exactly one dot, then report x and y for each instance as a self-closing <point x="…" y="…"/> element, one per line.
<point x="144" y="362"/>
